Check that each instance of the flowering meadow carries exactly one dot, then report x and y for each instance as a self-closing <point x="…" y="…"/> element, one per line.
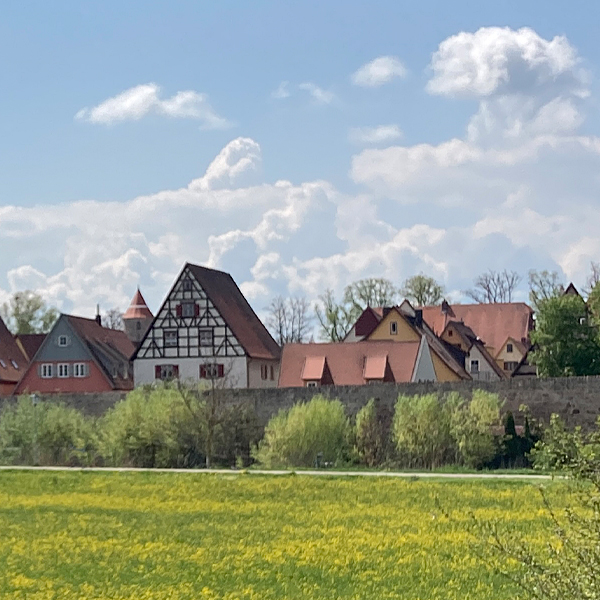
<point x="137" y="536"/>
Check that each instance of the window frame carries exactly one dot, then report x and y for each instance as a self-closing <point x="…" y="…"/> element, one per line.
<point x="176" y="338"/>
<point x="474" y="361"/>
<point x="205" y="330"/>
<point x="312" y="384"/>
<point x="79" y="370"/>
<point x="393" y="327"/>
<point x="189" y="305"/>
<point x="62" y="370"/>
<point x="46" y="370"/>
<point x="187" y="285"/>
<point x="509" y="348"/>
<point x="60" y="341"/>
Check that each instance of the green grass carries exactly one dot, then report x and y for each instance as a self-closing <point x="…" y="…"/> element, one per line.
<point x="176" y="536"/>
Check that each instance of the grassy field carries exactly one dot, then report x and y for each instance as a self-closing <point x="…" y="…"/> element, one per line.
<point x="167" y="536"/>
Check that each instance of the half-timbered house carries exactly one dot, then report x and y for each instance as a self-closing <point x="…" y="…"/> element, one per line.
<point x="206" y="330"/>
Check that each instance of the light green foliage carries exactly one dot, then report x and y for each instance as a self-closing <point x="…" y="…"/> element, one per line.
<point x="370" y="437"/>
<point x="422" y="431"/>
<point x="422" y="290"/>
<point x="565" y="341"/>
<point x="295" y="437"/>
<point x="26" y="312"/>
<point x="45" y="433"/>
<point x="472" y="426"/>
<point x="152" y="427"/>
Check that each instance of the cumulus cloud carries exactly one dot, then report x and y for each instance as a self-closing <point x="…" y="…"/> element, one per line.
<point x="142" y="100"/>
<point x="374" y="135"/>
<point x="319" y="95"/>
<point x="282" y="91"/>
<point x="379" y="71"/>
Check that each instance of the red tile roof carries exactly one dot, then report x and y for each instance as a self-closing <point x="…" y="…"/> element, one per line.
<point x="346" y="362"/>
<point x="493" y="323"/>
<point x="138" y="309"/>
<point x="237" y="313"/>
<point x="10" y="355"/>
<point x="30" y="343"/>
<point x="91" y="332"/>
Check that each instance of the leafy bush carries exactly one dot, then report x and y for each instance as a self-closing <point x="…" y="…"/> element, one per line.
<point x="45" y="433"/>
<point x="422" y="431"/>
<point x="296" y="437"/>
<point x="371" y="435"/>
<point x="472" y="426"/>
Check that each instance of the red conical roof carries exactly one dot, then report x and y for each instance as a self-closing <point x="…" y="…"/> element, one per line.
<point x="138" y="309"/>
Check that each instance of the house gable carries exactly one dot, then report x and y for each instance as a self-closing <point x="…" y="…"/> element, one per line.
<point x="424" y="367"/>
<point x="394" y="327"/>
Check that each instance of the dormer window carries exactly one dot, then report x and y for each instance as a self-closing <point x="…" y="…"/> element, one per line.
<point x="2" y="364"/>
<point x="14" y="363"/>
<point x="312" y="384"/>
<point x="394" y="327"/>
<point x="63" y="340"/>
<point x="450" y="333"/>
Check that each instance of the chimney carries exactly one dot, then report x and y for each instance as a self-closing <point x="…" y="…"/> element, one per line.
<point x="418" y="317"/>
<point x="98" y="317"/>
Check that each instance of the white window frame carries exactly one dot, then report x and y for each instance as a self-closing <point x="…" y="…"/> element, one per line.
<point x="203" y="342"/>
<point x="13" y="362"/>
<point x="167" y="372"/>
<point x="312" y="384"/>
<point x="62" y="370"/>
<point x="394" y="328"/>
<point x="60" y="341"/>
<point x="176" y="338"/>
<point x="79" y="370"/>
<point x="47" y="371"/>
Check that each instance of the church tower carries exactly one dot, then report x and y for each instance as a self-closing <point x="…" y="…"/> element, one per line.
<point x="137" y="318"/>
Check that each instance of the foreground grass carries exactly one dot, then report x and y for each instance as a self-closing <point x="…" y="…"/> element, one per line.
<point x="157" y="536"/>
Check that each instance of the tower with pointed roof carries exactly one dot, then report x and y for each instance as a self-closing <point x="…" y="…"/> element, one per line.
<point x="137" y="318"/>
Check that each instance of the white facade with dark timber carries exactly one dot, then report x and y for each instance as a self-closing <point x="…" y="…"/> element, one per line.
<point x="206" y="330"/>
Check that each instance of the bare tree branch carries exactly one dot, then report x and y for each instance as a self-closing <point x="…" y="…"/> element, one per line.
<point x="494" y="286"/>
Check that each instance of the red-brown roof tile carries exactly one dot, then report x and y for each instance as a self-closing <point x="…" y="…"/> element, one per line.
<point x="346" y="362"/>
<point x="30" y="343"/>
<point x="249" y="330"/>
<point x="138" y="309"/>
<point x="493" y="323"/>
<point x="10" y="355"/>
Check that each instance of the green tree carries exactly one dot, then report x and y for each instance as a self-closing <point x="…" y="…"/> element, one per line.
<point x="337" y="318"/>
<point x="543" y="285"/>
<point x="565" y="340"/>
<point x="370" y="435"/>
<point x="422" y="290"/>
<point x="26" y="312"/>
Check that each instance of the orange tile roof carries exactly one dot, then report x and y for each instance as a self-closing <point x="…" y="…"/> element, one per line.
<point x="493" y="323"/>
<point x="375" y="367"/>
<point x="314" y="367"/>
<point x="138" y="309"/>
<point x="347" y="362"/>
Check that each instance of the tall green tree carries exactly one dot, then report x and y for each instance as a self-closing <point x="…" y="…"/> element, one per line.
<point x="27" y="312"/>
<point x="565" y="339"/>
<point x="422" y="290"/>
<point x="337" y="318"/>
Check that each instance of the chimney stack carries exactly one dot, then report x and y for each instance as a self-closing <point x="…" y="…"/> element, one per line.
<point x="98" y="317"/>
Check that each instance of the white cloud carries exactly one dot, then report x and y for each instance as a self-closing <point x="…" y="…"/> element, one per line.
<point x="379" y="71"/>
<point x="282" y="91"/>
<point x="374" y="135"/>
<point x="139" y="101"/>
<point x="500" y="60"/>
<point x="319" y="95"/>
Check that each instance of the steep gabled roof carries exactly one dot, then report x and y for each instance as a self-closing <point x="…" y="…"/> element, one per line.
<point x="10" y="355"/>
<point x="227" y="298"/>
<point x="101" y="337"/>
<point x="346" y="363"/>
<point x="492" y="323"/>
<point x="30" y="343"/>
<point x="138" y="309"/>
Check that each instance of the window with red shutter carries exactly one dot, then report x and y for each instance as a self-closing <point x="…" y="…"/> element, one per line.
<point x="202" y="371"/>
<point x="157" y="372"/>
<point x="221" y="370"/>
<point x="196" y="310"/>
<point x="178" y="310"/>
<point x="175" y="371"/>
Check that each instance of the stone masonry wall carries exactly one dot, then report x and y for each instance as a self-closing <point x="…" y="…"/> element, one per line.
<point x="576" y="399"/>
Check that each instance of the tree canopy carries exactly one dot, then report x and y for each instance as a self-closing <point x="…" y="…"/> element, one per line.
<point x="26" y="312"/>
<point x="565" y="339"/>
<point x="422" y="290"/>
<point x="494" y="286"/>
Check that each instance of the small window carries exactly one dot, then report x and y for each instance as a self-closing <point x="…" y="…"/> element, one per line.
<point x="2" y="364"/>
<point x="582" y="320"/>
<point x="187" y="285"/>
<point x="188" y="309"/>
<point x="79" y="370"/>
<point x="46" y="371"/>
<point x="264" y="371"/>
<point x="14" y="363"/>
<point x="138" y="325"/>
<point x="212" y="371"/>
<point x="394" y="327"/>
<point x="312" y="384"/>
<point x="510" y="365"/>
<point x="449" y="332"/>
<point x="170" y="339"/>
<point x="509" y="347"/>
<point x="63" y="340"/>
<point x="205" y="337"/>
<point x="272" y="373"/>
<point x="474" y="366"/>
<point x="63" y="370"/>
<point x="166" y="372"/>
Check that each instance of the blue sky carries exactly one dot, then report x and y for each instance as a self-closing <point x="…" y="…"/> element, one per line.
<point x="470" y="145"/>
